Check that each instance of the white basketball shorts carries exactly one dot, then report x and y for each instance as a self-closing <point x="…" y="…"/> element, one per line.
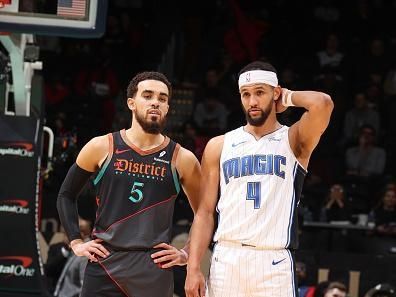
<point x="244" y="271"/>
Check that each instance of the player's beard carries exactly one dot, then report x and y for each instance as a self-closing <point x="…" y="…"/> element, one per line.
<point x="155" y="126"/>
<point x="260" y="120"/>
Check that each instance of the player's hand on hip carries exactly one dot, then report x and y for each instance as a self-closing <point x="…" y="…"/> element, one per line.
<point x="168" y="256"/>
<point x="91" y="249"/>
<point x="195" y="284"/>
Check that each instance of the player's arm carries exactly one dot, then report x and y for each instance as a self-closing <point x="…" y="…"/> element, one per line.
<point x="305" y="134"/>
<point x="189" y="170"/>
<point x="88" y="161"/>
<point x="203" y="225"/>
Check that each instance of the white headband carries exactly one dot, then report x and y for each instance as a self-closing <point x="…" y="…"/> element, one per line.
<point x="258" y="77"/>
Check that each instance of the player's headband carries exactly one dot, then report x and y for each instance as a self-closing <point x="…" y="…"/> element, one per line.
<point x="258" y="77"/>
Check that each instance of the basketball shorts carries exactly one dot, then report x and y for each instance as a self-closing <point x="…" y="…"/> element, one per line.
<point x="246" y="271"/>
<point x="127" y="273"/>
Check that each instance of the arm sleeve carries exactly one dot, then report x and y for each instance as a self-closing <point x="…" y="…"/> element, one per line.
<point x="66" y="203"/>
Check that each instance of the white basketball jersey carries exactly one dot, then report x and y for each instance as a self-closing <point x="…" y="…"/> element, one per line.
<point x="260" y="183"/>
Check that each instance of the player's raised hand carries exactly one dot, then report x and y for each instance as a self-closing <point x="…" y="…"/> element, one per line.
<point x="281" y="103"/>
<point x="169" y="256"/>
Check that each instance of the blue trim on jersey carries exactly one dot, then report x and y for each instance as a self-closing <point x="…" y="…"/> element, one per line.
<point x="293" y="274"/>
<point x="102" y="171"/>
<point x="292" y="207"/>
<point x="176" y="180"/>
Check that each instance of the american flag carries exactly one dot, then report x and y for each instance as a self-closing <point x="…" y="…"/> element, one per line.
<point x="75" y="8"/>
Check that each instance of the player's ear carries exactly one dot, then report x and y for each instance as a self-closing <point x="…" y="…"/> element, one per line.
<point x="131" y="104"/>
<point x="277" y="92"/>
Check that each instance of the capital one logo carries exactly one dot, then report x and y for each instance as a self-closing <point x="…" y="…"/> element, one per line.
<point x="16" y="266"/>
<point x="16" y="206"/>
<point x="21" y="149"/>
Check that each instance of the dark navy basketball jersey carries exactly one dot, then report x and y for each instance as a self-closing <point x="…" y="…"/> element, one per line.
<point x="136" y="192"/>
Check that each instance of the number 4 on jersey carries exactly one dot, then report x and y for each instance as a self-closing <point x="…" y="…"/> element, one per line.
<point x="136" y="193"/>
<point x="253" y="192"/>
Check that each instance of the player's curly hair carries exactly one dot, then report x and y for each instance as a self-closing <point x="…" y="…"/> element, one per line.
<point x="147" y="75"/>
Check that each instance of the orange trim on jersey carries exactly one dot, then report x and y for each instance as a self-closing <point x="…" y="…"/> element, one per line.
<point x="111" y="149"/>
<point x="107" y="160"/>
<point x="140" y="151"/>
<point x="111" y="144"/>
<point x="175" y="152"/>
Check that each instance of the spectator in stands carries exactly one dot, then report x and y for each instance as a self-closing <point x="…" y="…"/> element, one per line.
<point x="365" y="159"/>
<point x="241" y="40"/>
<point x="330" y="82"/>
<point x="376" y="61"/>
<point x="391" y="185"/>
<point x="384" y="214"/>
<point x="328" y="289"/>
<point x="57" y="256"/>
<point x="389" y="111"/>
<point x="337" y="207"/>
<point x="382" y="290"/>
<point x="303" y="287"/>
<point x="390" y="82"/>
<point x="319" y="289"/>
<point x="325" y="11"/>
<point x="358" y="116"/>
<point x="100" y="84"/>
<point x="335" y="289"/>
<point x="212" y="84"/>
<point x="314" y="187"/>
<point x="375" y="93"/>
<point x="362" y="25"/>
<point x="331" y="56"/>
<point x="211" y="115"/>
<point x="56" y="92"/>
<point x="71" y="278"/>
<point x="192" y="140"/>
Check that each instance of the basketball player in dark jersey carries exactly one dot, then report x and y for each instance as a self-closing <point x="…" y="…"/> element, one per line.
<point x="138" y="174"/>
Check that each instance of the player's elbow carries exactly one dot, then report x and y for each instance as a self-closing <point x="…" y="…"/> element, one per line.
<point x="325" y="103"/>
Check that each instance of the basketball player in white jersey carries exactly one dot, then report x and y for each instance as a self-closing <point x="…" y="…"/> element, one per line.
<point x="260" y="168"/>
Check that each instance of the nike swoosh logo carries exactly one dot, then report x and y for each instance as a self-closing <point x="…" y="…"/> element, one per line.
<point x="277" y="262"/>
<point x="121" y="151"/>
<point x="238" y="143"/>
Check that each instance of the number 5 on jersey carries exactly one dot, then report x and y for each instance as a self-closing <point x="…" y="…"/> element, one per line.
<point x="136" y="192"/>
<point x="253" y="192"/>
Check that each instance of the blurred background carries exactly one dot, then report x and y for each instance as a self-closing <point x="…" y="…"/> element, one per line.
<point x="344" y="48"/>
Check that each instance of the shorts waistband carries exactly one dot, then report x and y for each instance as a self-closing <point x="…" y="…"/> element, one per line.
<point x="125" y="249"/>
<point x="242" y="245"/>
<point x="247" y="246"/>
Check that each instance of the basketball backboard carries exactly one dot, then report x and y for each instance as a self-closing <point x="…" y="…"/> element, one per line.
<point x="67" y="18"/>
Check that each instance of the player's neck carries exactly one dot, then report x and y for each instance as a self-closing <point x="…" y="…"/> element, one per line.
<point x="259" y="131"/>
<point x="142" y="139"/>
